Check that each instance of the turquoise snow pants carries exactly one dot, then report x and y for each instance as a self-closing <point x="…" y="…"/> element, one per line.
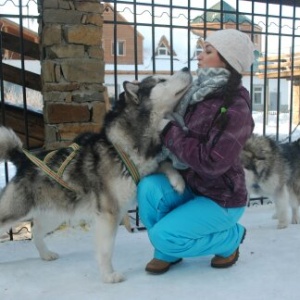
<point x="186" y="225"/>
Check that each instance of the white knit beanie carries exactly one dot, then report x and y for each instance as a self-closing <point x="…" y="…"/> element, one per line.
<point x="235" y="46"/>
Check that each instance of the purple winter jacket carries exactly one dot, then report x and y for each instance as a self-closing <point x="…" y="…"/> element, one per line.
<point x="214" y="169"/>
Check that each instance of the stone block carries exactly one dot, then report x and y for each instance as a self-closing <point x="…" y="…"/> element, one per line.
<point x="63" y="4"/>
<point x="61" y="87"/>
<point x="54" y="96"/>
<point x="70" y="131"/>
<point x="50" y="3"/>
<point x="98" y="112"/>
<point x="50" y="133"/>
<point x="65" y="51"/>
<point x="93" y="19"/>
<point x="81" y="96"/>
<point x="83" y="34"/>
<point x="93" y="70"/>
<point x="66" y="113"/>
<point x="95" y="52"/>
<point x="48" y="70"/>
<point x="51" y="35"/>
<point x="61" y="16"/>
<point x="88" y="6"/>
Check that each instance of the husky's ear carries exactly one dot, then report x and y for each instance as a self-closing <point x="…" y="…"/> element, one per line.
<point x="131" y="90"/>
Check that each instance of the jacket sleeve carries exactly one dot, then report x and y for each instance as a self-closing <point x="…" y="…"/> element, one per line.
<point x="214" y="156"/>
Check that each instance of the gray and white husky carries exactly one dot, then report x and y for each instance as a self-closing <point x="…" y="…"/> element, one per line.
<point x="272" y="170"/>
<point x="98" y="182"/>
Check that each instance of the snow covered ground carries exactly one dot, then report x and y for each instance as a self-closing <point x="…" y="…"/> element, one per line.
<point x="268" y="268"/>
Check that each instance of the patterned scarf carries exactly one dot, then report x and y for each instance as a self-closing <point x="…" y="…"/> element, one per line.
<point x="209" y="81"/>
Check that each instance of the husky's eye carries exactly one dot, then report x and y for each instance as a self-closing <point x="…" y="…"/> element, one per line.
<point x="161" y="80"/>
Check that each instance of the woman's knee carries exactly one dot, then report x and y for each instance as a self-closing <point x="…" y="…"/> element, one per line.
<point x="149" y="187"/>
<point x="149" y="195"/>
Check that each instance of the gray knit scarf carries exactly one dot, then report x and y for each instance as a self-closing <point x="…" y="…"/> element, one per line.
<point x="209" y="81"/>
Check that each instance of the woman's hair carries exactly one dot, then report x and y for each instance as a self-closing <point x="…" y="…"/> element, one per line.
<point x="232" y="86"/>
<point x="229" y="92"/>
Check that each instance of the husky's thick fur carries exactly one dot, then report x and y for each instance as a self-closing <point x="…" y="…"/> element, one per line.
<point x="272" y="170"/>
<point x="104" y="186"/>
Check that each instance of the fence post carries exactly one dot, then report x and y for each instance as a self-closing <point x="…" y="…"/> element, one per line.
<point x="72" y="68"/>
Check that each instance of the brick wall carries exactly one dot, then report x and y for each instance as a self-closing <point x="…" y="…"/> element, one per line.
<point x="72" y="68"/>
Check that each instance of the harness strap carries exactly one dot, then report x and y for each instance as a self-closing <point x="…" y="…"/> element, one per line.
<point x="129" y="164"/>
<point x="48" y="157"/>
<point x="57" y="176"/>
<point x="75" y="148"/>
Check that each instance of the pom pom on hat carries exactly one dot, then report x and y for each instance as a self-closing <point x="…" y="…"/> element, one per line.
<point x="235" y="46"/>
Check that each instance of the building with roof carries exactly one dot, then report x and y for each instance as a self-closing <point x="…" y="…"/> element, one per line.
<point x="223" y="15"/>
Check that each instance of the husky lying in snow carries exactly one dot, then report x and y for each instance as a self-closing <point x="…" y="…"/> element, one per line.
<point x="272" y="170"/>
<point x="97" y="181"/>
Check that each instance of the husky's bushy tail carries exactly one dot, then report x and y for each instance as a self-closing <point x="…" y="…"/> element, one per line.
<point x="10" y="146"/>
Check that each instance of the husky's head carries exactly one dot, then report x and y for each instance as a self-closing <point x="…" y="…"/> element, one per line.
<point x="259" y="158"/>
<point x="160" y="93"/>
<point x="133" y="122"/>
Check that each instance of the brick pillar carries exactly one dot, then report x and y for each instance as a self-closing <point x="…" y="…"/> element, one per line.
<point x="296" y="101"/>
<point x="72" y="68"/>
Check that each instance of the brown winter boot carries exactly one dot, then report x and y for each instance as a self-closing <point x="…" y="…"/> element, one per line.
<point x="157" y="266"/>
<point x="225" y="262"/>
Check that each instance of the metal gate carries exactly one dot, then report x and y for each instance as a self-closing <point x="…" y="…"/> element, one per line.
<point x="172" y="32"/>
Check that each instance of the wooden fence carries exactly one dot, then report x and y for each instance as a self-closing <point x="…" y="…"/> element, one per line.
<point x="28" y="124"/>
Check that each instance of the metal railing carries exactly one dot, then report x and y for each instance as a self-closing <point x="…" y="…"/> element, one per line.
<point x="273" y="27"/>
<point x="19" y="86"/>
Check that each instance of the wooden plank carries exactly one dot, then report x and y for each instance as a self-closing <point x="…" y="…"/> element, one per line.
<point x="275" y="66"/>
<point x="282" y="74"/>
<point x="14" y="75"/>
<point x="14" y="118"/>
<point x="278" y="66"/>
<point x="282" y="58"/>
<point x="276" y="57"/>
<point x="13" y="43"/>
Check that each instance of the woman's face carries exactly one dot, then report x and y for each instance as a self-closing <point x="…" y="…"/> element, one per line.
<point x="209" y="58"/>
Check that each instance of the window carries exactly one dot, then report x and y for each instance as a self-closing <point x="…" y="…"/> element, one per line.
<point x="162" y="50"/>
<point x="257" y="95"/>
<point x="256" y="39"/>
<point x="120" y="48"/>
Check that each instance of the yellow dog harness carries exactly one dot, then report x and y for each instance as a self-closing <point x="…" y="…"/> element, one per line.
<point x="57" y="175"/>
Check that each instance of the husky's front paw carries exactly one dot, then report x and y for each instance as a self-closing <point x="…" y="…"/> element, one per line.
<point x="295" y="216"/>
<point x="114" y="277"/>
<point x="173" y="175"/>
<point x="49" y="256"/>
<point x="177" y="183"/>
<point x="282" y="225"/>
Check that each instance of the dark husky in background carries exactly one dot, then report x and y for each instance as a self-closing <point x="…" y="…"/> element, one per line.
<point x="100" y="184"/>
<point x="273" y="170"/>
